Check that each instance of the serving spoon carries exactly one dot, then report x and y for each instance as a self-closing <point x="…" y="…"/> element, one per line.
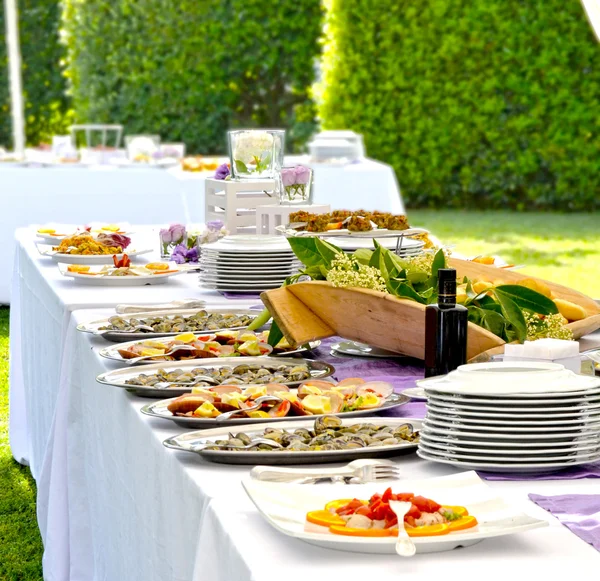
<point x="257" y="404"/>
<point x="165" y="354"/>
<point x="404" y="544"/>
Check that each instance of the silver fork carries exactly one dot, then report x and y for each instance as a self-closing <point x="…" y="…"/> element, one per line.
<point x="360" y="470"/>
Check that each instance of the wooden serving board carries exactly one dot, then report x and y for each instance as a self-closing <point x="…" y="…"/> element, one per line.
<point x="314" y="310"/>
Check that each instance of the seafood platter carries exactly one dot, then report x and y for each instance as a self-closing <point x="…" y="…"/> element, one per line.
<point x="178" y="378"/>
<point x="309" y="441"/>
<point x="55" y="233"/>
<point x="168" y="323"/>
<point x="258" y="403"/>
<point x="186" y="346"/>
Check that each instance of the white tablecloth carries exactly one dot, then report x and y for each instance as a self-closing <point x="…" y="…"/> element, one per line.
<point x="78" y="195"/>
<point x="113" y="503"/>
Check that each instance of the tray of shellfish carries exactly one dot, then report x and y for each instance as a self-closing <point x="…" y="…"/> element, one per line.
<point x="174" y="378"/>
<point x="231" y="404"/>
<point x="151" y="325"/>
<point x="308" y="441"/>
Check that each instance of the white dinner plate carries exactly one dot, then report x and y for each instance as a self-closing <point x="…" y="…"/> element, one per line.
<point x="515" y="413"/>
<point x="241" y="277"/>
<point x="284" y="507"/>
<point x="514" y="468"/>
<point x="228" y="287"/>
<point x="417" y="393"/>
<point x="473" y="435"/>
<point x="195" y="442"/>
<point x="258" y="269"/>
<point x="507" y="404"/>
<point x="128" y="280"/>
<point x="583" y="425"/>
<point x="509" y="422"/>
<point x="500" y="447"/>
<point x="515" y="458"/>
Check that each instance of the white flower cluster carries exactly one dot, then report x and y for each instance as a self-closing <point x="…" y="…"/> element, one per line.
<point x="547" y="326"/>
<point x="348" y="272"/>
<point x="250" y="144"/>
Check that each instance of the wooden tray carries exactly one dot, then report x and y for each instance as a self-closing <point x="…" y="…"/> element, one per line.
<point x="314" y="310"/>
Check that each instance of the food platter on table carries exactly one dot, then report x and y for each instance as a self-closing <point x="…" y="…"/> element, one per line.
<point x="199" y="442"/>
<point x="160" y="410"/>
<point x="208" y="345"/>
<point x="136" y="275"/>
<point x="91" y="259"/>
<point x="286" y="507"/>
<point x="55" y="233"/>
<point x="224" y="366"/>
<point x="119" y="328"/>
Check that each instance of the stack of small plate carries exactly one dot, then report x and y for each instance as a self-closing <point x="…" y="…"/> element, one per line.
<point x="247" y="263"/>
<point x="406" y="246"/>
<point x="506" y="417"/>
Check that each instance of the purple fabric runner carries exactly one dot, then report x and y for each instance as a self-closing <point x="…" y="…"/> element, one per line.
<point x="580" y="513"/>
<point x="401" y="373"/>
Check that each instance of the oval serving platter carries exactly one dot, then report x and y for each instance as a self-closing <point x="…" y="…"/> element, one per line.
<point x="117" y="378"/>
<point x="159" y="410"/>
<point x="195" y="441"/>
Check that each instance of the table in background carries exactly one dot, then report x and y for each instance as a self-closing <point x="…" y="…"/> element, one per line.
<point x="146" y="195"/>
<point x="113" y="503"/>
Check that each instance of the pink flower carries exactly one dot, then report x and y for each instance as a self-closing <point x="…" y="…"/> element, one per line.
<point x="288" y="176"/>
<point x="165" y="236"/>
<point x="302" y="174"/>
<point x="177" y="232"/>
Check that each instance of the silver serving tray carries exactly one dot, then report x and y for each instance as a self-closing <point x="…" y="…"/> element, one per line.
<point x="120" y="336"/>
<point x="192" y="441"/>
<point x="113" y="354"/>
<point x="318" y="369"/>
<point x="159" y="410"/>
<point x="290" y="232"/>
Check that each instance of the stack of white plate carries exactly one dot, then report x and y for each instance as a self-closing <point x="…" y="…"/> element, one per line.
<point x="247" y="263"/>
<point x="512" y="417"/>
<point x="406" y="246"/>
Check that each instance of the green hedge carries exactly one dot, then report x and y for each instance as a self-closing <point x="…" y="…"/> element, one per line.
<point x="188" y="70"/>
<point x="487" y="103"/>
<point x="47" y="108"/>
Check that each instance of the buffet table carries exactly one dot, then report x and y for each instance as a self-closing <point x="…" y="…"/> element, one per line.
<point x="113" y="503"/>
<point x="32" y="195"/>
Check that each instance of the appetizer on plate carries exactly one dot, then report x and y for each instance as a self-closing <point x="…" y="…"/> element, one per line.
<point x="375" y="518"/>
<point x="122" y="267"/>
<point x="346" y="396"/>
<point x="358" y="221"/>
<point x="86" y="244"/>
<point x="328" y="433"/>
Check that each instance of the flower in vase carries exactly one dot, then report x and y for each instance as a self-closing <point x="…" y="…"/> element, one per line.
<point x="288" y="176"/>
<point x="214" y="224"/>
<point x="302" y="174"/>
<point x="165" y="236"/>
<point x="182" y="254"/>
<point x="222" y="171"/>
<point x="249" y="145"/>
<point x="177" y="232"/>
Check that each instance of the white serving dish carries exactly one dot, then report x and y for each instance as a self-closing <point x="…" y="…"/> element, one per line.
<point x="284" y="507"/>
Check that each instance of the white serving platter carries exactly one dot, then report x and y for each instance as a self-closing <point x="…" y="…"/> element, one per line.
<point x="284" y="506"/>
<point x="127" y="280"/>
<point x="90" y="259"/>
<point x="195" y="441"/>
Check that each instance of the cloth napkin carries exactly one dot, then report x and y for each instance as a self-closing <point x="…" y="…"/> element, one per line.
<point x="580" y="513"/>
<point x="591" y="470"/>
<point x="244" y="296"/>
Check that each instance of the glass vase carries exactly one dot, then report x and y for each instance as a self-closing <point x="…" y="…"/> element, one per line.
<point x="296" y="186"/>
<point x="169" y="238"/>
<point x="256" y="153"/>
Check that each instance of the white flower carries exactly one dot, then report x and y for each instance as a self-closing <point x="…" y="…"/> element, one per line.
<point x="250" y="144"/>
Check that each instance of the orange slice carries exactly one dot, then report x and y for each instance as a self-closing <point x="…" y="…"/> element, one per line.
<point x="324" y="518"/>
<point x="335" y="504"/>
<point x="457" y="509"/>
<point x="351" y="532"/>
<point x="466" y="522"/>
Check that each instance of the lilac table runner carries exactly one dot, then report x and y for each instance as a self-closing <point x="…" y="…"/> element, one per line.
<point x="580" y="513"/>
<point x="402" y="373"/>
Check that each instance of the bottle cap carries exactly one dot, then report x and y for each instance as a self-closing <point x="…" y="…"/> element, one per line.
<point x="447" y="282"/>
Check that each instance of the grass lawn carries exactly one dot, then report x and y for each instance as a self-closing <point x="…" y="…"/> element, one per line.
<point x="20" y="542"/>
<point x="561" y="248"/>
